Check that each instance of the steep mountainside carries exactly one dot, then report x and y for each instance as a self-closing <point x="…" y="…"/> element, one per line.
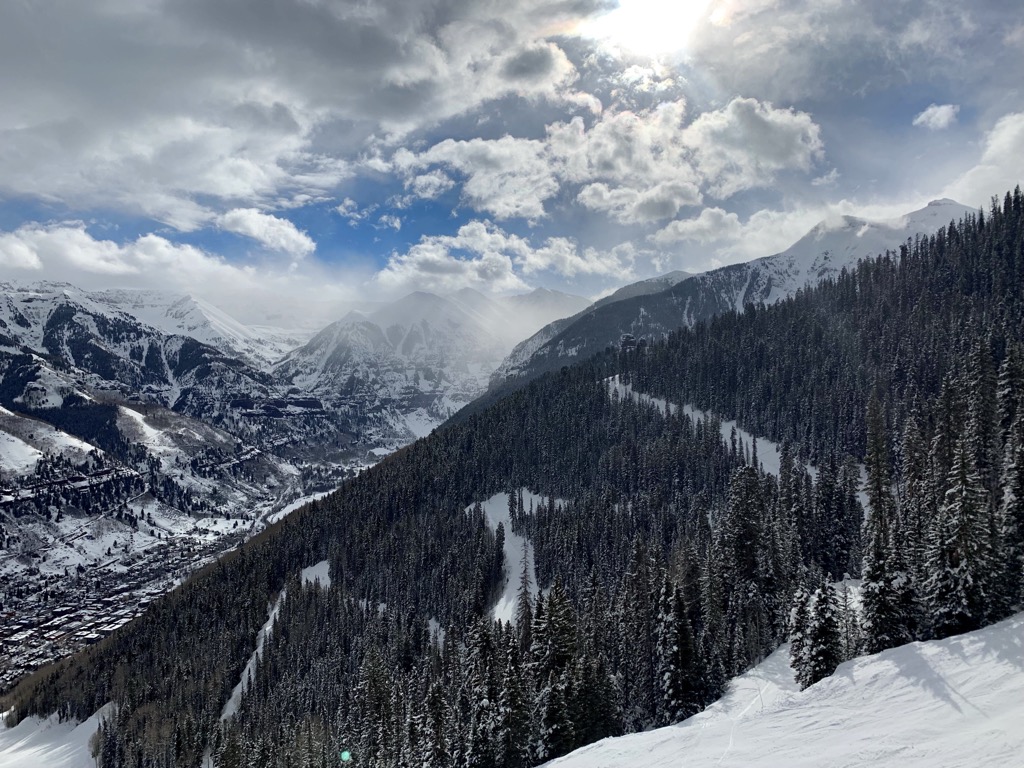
<point x="823" y="252"/>
<point x="418" y="359"/>
<point x="667" y="559"/>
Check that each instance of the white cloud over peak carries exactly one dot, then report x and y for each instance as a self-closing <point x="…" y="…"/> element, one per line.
<point x="275" y="233"/>
<point x="481" y="255"/>
<point x="1000" y="167"/>
<point x="937" y="117"/>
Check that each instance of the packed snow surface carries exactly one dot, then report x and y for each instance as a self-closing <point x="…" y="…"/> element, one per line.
<point x="941" y="704"/>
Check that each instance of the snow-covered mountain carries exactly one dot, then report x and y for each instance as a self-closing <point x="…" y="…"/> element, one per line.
<point x="827" y="249"/>
<point x="941" y="704"/>
<point x="185" y="315"/>
<point x="419" y="359"/>
<point x="525" y="350"/>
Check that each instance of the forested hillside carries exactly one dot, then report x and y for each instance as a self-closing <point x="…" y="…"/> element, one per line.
<point x="668" y="559"/>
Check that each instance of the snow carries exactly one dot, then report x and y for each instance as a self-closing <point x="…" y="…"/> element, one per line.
<point x="298" y="503"/>
<point x="941" y="704"/>
<point x="769" y="454"/>
<point x="319" y="573"/>
<point x="16" y="455"/>
<point x="496" y="511"/>
<point x="48" y="743"/>
<point x="421" y="423"/>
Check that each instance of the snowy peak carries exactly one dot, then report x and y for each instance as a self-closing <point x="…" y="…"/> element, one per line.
<point x="655" y="307"/>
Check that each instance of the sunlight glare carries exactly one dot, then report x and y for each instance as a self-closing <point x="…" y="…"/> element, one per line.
<point x="649" y="27"/>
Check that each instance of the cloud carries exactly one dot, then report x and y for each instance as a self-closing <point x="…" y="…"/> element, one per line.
<point x="635" y="206"/>
<point x="481" y="255"/>
<point x="506" y="177"/>
<point x="636" y="166"/>
<point x="790" y="50"/>
<point x="274" y="233"/>
<point x="1000" y="167"/>
<point x="937" y="117"/>
<point x="250" y="291"/>
<point x="745" y="144"/>
<point x="713" y="224"/>
<point x="184" y="111"/>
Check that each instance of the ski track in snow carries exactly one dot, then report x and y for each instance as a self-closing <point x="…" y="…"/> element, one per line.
<point x="942" y="704"/>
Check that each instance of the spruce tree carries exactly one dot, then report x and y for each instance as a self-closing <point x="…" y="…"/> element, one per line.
<point x="959" y="554"/>
<point x="823" y="652"/>
<point x="799" y="625"/>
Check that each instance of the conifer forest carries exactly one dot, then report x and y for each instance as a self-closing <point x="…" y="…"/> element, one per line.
<point x="668" y="559"/>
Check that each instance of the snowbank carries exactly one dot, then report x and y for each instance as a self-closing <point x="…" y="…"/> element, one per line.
<point x="942" y="704"/>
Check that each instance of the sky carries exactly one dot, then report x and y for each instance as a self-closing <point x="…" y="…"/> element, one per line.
<point x="332" y="152"/>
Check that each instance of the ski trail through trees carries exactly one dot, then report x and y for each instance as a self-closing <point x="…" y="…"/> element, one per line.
<point x="769" y="453"/>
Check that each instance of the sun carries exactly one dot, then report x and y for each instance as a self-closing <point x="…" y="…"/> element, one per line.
<point x="649" y="27"/>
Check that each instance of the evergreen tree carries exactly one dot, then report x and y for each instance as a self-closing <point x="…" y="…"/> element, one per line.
<point x="959" y="554"/>
<point x="677" y="661"/>
<point x="823" y="652"/>
<point x="885" y="621"/>
<point x="799" y="626"/>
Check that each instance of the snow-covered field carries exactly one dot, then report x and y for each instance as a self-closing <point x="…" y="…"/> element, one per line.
<point x="942" y="704"/>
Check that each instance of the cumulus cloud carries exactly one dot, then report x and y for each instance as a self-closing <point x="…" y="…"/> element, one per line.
<point x="937" y="117"/>
<point x="183" y="111"/>
<point x="505" y="177"/>
<point x="1000" y="167"/>
<point x="481" y="255"/>
<point x="745" y="144"/>
<point x="636" y="166"/>
<point x="713" y="224"/>
<point x="274" y="233"/>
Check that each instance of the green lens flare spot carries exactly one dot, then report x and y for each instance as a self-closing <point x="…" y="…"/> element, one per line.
<point x="345" y="756"/>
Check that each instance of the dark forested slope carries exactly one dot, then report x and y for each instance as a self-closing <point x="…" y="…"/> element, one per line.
<point x="669" y="559"/>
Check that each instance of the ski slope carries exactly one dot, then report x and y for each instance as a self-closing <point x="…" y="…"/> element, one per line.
<point x="942" y="704"/>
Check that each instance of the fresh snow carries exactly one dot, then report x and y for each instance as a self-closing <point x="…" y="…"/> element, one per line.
<point x="496" y="511"/>
<point x="16" y="455"/>
<point x="293" y="506"/>
<point x="320" y="572"/>
<point x="941" y="704"/>
<point x="49" y="743"/>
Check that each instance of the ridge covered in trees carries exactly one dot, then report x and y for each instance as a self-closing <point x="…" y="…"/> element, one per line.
<point x="669" y="560"/>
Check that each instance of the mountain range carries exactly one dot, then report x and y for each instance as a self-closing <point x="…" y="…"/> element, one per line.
<point x="652" y="308"/>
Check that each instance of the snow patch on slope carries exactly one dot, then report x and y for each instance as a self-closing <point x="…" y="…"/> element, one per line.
<point x="496" y="511"/>
<point x="941" y="704"/>
<point x="37" y="742"/>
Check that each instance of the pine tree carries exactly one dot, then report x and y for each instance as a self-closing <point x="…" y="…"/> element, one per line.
<point x="885" y="603"/>
<point x="1010" y="584"/>
<point x="823" y="652"/>
<point x="524" y="603"/>
<point x="677" y="661"/>
<point x="959" y="554"/>
<point x="799" y="625"/>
